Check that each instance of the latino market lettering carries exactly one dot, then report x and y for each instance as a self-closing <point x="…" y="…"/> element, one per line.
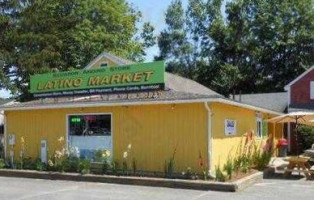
<point x="62" y="83"/>
<point x="120" y="78"/>
<point x="69" y="83"/>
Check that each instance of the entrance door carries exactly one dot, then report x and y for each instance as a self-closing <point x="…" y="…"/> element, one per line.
<point x="90" y="132"/>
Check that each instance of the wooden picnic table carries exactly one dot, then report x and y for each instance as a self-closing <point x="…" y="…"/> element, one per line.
<point x="299" y="164"/>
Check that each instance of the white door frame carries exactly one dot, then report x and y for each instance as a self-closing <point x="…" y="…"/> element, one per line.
<point x="80" y="114"/>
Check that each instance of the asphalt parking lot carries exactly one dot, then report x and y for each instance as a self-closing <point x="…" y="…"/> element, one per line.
<point x="35" y="189"/>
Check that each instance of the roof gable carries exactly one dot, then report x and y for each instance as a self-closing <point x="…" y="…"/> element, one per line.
<point x="111" y="59"/>
<point x="298" y="78"/>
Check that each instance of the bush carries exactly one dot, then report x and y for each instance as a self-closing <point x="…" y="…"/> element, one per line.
<point x="169" y="165"/>
<point x="70" y="164"/>
<point x="220" y="175"/>
<point x="115" y="166"/>
<point x="84" y="166"/>
<point x="228" y="167"/>
<point x="28" y="163"/>
<point x="2" y="163"/>
<point x="103" y="156"/>
<point x="40" y="166"/>
<point x="262" y="160"/>
<point x="306" y="137"/>
<point x="134" y="166"/>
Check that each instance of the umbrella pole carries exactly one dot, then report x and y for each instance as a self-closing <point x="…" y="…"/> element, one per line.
<point x="296" y="135"/>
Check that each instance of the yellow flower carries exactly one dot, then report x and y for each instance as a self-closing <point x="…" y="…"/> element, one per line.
<point x="129" y="146"/>
<point x="58" y="154"/>
<point x="50" y="163"/>
<point x="22" y="139"/>
<point x="61" y="139"/>
<point x="108" y="153"/>
<point x="125" y="154"/>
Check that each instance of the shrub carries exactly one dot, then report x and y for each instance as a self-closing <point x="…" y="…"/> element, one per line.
<point x="169" y="167"/>
<point x="306" y="137"/>
<point x="134" y="166"/>
<point x="203" y="165"/>
<point x="40" y="166"/>
<point x="263" y="160"/>
<point x="228" y="167"/>
<point x="115" y="166"/>
<point x="84" y="166"/>
<point x="2" y="163"/>
<point x="188" y="174"/>
<point x="170" y="164"/>
<point x="219" y="175"/>
<point x="70" y="164"/>
<point x="28" y="163"/>
<point x="124" y="167"/>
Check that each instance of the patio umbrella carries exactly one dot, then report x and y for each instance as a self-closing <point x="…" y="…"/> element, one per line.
<point x="298" y="118"/>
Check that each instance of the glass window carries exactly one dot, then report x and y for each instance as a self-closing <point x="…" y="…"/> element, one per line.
<point x="90" y="125"/>
<point x="259" y="127"/>
<point x="104" y="64"/>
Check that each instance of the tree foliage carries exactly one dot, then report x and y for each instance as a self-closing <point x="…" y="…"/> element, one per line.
<point x="45" y="35"/>
<point x="257" y="46"/>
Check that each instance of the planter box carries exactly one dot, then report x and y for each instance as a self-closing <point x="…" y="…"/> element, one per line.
<point x="144" y="181"/>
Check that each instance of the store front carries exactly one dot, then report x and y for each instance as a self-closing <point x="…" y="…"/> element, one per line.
<point x="159" y="114"/>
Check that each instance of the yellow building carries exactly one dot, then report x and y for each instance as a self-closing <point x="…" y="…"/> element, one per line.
<point x="184" y="118"/>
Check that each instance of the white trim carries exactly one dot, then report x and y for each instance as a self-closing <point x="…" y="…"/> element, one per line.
<point x="80" y="114"/>
<point x="289" y="97"/>
<point x="209" y="139"/>
<point x="111" y="104"/>
<point x="299" y="77"/>
<point x="5" y="135"/>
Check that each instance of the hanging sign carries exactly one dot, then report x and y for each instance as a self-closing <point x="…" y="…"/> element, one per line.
<point x="120" y="79"/>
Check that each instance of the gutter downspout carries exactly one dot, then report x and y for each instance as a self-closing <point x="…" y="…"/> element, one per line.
<point x="4" y="133"/>
<point x="209" y="139"/>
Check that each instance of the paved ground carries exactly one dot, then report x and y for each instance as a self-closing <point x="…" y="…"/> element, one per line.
<point x="33" y="189"/>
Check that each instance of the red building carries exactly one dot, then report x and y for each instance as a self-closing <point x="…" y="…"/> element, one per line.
<point x="299" y="96"/>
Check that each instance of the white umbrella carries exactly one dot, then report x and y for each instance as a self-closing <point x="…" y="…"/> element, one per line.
<point x="305" y="118"/>
<point x="294" y="117"/>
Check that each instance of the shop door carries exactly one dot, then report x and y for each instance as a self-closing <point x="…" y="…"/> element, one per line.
<point x="90" y="132"/>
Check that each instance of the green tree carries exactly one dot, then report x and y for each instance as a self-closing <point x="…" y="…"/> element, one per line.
<point x="266" y="43"/>
<point x="173" y="41"/>
<point x="45" y="35"/>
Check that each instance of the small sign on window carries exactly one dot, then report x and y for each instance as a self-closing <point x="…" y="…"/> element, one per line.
<point x="230" y="127"/>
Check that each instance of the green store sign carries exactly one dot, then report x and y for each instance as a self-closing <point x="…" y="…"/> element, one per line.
<point x="121" y="79"/>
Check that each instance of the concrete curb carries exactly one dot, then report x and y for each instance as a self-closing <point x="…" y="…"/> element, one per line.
<point x="143" y="181"/>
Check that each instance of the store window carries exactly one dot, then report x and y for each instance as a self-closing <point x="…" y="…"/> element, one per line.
<point x="90" y="125"/>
